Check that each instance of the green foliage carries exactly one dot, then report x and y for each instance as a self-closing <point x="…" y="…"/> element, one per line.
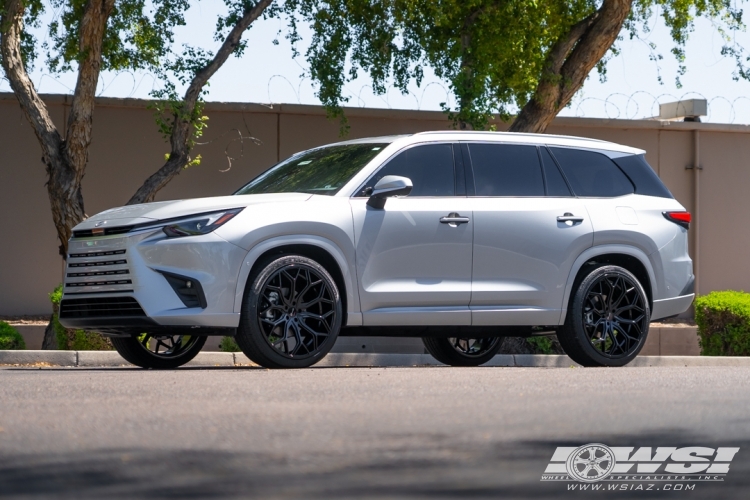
<point x="139" y="34"/>
<point x="56" y="296"/>
<point x="228" y="344"/>
<point x="10" y="338"/>
<point x="723" y="320"/>
<point x="492" y="54"/>
<point x="541" y="345"/>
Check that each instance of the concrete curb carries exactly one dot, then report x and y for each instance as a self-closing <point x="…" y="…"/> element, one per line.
<point x="229" y="359"/>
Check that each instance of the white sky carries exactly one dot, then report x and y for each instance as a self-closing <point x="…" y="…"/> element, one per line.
<point x="268" y="73"/>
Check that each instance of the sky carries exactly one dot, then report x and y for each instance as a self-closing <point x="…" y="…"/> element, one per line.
<point x="268" y="73"/>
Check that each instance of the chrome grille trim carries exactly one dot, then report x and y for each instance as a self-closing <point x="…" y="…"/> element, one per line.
<point x="103" y="270"/>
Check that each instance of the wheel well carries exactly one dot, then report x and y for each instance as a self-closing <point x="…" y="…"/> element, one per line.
<point x="628" y="262"/>
<point x="313" y="252"/>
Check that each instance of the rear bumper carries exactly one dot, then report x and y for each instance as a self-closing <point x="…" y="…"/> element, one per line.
<point x="671" y="307"/>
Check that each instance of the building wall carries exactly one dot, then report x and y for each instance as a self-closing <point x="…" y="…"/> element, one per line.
<point x="242" y="140"/>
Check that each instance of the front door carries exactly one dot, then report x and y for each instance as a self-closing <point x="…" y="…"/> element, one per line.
<point x="414" y="255"/>
<point x="528" y="231"/>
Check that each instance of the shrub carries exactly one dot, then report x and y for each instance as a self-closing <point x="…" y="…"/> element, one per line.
<point x="228" y="344"/>
<point x="723" y="320"/>
<point x="10" y="338"/>
<point x="76" y="340"/>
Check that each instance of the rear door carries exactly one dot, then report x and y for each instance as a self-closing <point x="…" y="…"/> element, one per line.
<point x="528" y="231"/>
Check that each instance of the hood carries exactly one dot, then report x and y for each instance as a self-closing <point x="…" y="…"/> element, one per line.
<point x="149" y="212"/>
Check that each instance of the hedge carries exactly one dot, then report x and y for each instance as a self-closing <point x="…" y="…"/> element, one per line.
<point x="723" y="320"/>
<point x="10" y="339"/>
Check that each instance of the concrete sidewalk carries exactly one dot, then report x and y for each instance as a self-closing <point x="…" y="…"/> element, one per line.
<point x="228" y="359"/>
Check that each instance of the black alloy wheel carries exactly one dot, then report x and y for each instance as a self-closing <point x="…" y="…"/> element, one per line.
<point x="292" y="314"/>
<point x="608" y="321"/>
<point x="457" y="351"/>
<point x="159" y="351"/>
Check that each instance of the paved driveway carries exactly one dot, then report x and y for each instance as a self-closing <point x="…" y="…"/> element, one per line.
<point x="344" y="433"/>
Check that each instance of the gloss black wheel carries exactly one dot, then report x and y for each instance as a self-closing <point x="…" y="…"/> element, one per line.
<point x="608" y="319"/>
<point x="159" y="351"/>
<point x="292" y="314"/>
<point x="463" y="351"/>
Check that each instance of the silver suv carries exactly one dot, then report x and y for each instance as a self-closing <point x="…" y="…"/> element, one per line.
<point x="460" y="238"/>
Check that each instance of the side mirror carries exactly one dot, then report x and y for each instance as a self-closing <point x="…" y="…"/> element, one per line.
<point x="390" y="185"/>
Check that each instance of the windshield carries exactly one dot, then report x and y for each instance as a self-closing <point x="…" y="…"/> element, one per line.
<point x="319" y="171"/>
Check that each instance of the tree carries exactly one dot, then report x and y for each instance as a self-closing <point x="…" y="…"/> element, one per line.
<point x="498" y="57"/>
<point x="98" y="35"/>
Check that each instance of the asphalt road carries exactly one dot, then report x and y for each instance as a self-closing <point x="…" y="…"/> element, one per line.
<point x="351" y="433"/>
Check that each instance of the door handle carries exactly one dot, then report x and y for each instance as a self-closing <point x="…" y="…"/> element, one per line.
<point x="454" y="219"/>
<point x="569" y="219"/>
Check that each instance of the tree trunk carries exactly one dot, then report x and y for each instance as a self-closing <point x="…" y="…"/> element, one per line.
<point x="569" y="63"/>
<point x="182" y="124"/>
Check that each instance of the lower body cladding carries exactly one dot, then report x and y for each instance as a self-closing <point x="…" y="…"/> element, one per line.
<point x="144" y="282"/>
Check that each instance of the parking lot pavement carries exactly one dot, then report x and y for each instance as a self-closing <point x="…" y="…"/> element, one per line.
<point x="351" y="432"/>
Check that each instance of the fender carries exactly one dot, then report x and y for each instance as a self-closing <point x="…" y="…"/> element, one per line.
<point x="592" y="252"/>
<point x="354" y="315"/>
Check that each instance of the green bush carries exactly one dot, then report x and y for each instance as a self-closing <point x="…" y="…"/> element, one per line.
<point x="10" y="338"/>
<point x="723" y="320"/>
<point x="228" y="344"/>
<point x="75" y="340"/>
<point x="542" y="345"/>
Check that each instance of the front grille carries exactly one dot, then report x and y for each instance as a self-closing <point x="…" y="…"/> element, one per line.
<point x="98" y="271"/>
<point x="99" y="307"/>
<point x="88" y="233"/>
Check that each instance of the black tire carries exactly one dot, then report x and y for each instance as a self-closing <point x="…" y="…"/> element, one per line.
<point x="283" y="327"/>
<point x="463" y="351"/>
<point x="144" y="351"/>
<point x="608" y="318"/>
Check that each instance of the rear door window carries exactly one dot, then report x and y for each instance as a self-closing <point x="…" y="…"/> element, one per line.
<point x="506" y="170"/>
<point x="429" y="166"/>
<point x="592" y="174"/>
<point x="556" y="185"/>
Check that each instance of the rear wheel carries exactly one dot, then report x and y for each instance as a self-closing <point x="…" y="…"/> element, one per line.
<point x="463" y="351"/>
<point x="608" y="319"/>
<point x="291" y="314"/>
<point x="159" y="351"/>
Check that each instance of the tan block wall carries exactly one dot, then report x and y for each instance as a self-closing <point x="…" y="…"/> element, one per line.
<point x="126" y="148"/>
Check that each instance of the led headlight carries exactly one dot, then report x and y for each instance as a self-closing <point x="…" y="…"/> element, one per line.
<point x="199" y="224"/>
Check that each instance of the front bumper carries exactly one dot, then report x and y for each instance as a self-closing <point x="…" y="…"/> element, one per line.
<point x="119" y="284"/>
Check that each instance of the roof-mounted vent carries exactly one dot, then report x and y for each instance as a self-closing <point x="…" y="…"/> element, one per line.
<point x="689" y="110"/>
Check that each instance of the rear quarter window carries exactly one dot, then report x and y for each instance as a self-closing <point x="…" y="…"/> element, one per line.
<point x="592" y="174"/>
<point x="643" y="176"/>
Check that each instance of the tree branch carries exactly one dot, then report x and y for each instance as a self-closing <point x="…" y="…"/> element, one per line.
<point x="182" y="125"/>
<point x="569" y="62"/>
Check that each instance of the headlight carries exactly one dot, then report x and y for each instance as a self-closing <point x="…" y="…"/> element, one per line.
<point x="195" y="225"/>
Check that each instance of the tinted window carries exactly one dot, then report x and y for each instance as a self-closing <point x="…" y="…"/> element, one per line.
<point x="506" y="170"/>
<point x="556" y="185"/>
<point x="592" y="174"/>
<point x="643" y="176"/>
<point x="430" y="168"/>
<point x="318" y="171"/>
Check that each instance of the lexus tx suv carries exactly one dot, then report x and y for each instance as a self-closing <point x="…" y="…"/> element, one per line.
<point x="460" y="238"/>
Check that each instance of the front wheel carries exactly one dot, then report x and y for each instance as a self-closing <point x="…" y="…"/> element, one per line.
<point x="608" y="319"/>
<point x="463" y="351"/>
<point x="159" y="351"/>
<point x="291" y="314"/>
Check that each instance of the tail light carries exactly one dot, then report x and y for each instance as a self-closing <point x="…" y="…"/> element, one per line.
<point x="679" y="218"/>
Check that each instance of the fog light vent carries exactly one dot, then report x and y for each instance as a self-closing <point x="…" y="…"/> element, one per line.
<point x="189" y="290"/>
